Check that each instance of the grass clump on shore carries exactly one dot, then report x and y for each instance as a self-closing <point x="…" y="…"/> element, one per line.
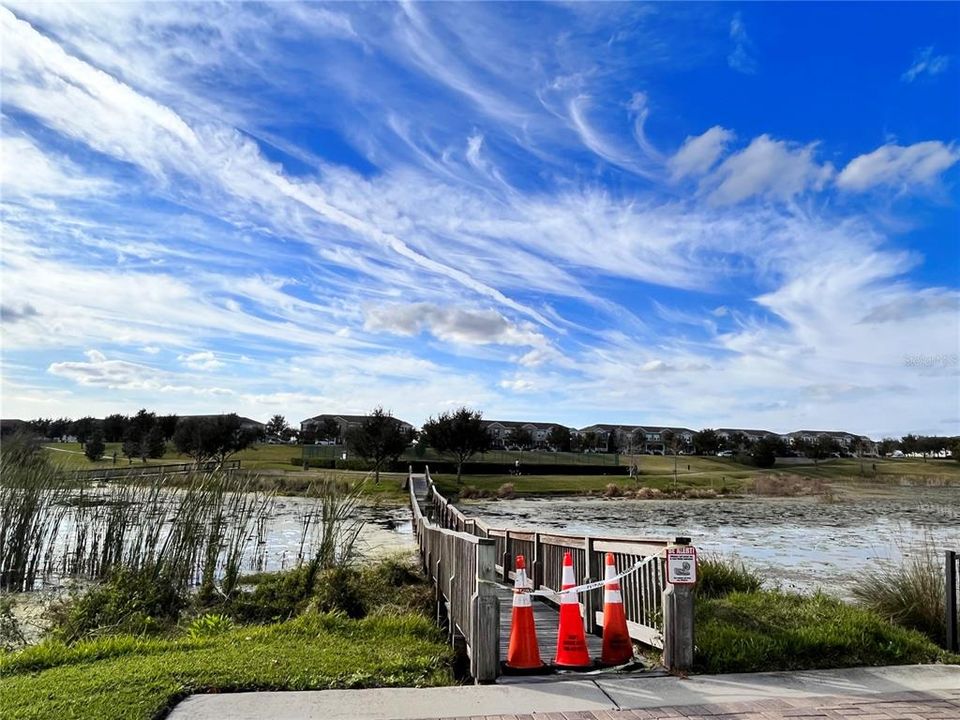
<point x="771" y="630"/>
<point x="133" y="678"/>
<point x="742" y="628"/>
<point x="910" y="593"/>
<point x="719" y="576"/>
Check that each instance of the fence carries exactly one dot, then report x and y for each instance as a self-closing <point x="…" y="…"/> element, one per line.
<point x="951" y="605"/>
<point x="499" y="457"/>
<point x="128" y="472"/>
<point x="461" y="567"/>
<point x="658" y="614"/>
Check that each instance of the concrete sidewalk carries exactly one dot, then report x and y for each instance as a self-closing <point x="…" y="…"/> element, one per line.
<point x="922" y="691"/>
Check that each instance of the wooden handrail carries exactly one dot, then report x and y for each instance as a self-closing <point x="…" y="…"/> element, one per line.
<point x="658" y="614"/>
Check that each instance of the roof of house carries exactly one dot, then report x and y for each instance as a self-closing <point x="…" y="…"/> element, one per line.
<point x="731" y="431"/>
<point x="350" y="419"/>
<point x="243" y="420"/>
<point x="521" y="423"/>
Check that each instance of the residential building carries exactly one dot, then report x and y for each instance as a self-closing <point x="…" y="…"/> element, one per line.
<point x="345" y="422"/>
<point x="245" y="422"/>
<point x="499" y="431"/>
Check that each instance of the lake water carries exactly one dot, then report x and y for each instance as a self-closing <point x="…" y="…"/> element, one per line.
<point x="799" y="543"/>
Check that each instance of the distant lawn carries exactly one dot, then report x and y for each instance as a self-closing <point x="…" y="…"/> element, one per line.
<point x="258" y="457"/>
<point x="130" y="678"/>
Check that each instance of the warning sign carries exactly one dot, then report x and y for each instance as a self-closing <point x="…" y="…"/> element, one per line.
<point x="682" y="565"/>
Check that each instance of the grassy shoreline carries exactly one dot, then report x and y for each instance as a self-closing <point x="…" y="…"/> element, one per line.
<point x="131" y="678"/>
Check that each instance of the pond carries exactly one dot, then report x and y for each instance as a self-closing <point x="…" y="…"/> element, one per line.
<point x="798" y="543"/>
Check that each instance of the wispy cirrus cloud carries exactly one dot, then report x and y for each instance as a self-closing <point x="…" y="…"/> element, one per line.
<point x="925" y="63"/>
<point x="455" y="213"/>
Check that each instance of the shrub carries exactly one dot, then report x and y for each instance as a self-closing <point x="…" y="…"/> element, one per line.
<point x="910" y="593"/>
<point x="612" y="490"/>
<point x="208" y="625"/>
<point x="138" y="603"/>
<point x="719" y="576"/>
<point x="341" y="589"/>
<point x="94" y="447"/>
<point x="505" y="491"/>
<point x="275" y="597"/>
<point x="11" y="636"/>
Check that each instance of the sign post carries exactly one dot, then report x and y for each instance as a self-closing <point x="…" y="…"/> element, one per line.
<point x="682" y="565"/>
<point x="681" y="573"/>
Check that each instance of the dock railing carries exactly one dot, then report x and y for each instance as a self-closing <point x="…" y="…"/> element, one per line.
<point x="659" y="614"/>
<point x="952" y="590"/>
<point x="124" y="472"/>
<point x="462" y="568"/>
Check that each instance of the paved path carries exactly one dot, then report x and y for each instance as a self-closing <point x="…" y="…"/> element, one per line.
<point x="911" y="692"/>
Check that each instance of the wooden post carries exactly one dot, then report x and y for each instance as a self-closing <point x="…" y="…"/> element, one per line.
<point x="589" y="597"/>
<point x="485" y="617"/>
<point x="506" y="562"/>
<point x="678" y="628"/>
<point x="678" y="624"/>
<point x="950" y="602"/>
<point x="536" y="563"/>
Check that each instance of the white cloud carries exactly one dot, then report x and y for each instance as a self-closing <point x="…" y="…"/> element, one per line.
<point x="452" y="324"/>
<point x="925" y="63"/>
<point x="27" y="173"/>
<point x="204" y="360"/>
<point x="768" y="168"/>
<point x="741" y="57"/>
<point x="699" y="153"/>
<point x="903" y="168"/>
<point x="517" y="385"/>
<point x="151" y="349"/>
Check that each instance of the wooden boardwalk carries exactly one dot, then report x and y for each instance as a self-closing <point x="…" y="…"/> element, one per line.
<point x="545" y="618"/>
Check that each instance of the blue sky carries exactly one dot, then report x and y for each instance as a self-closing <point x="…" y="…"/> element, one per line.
<point x="695" y="214"/>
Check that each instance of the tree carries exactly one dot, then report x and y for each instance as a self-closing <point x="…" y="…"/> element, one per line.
<point x="518" y="437"/>
<point x="114" y="427"/>
<point x="328" y="429"/>
<point x="58" y="428"/>
<point x="460" y="433"/>
<point x="143" y="421"/>
<point x="83" y="429"/>
<point x="613" y="442"/>
<point x="277" y="426"/>
<point x="132" y="442"/>
<point x="168" y="424"/>
<point x="589" y="440"/>
<point x="955" y="449"/>
<point x="94" y="446"/>
<point x="559" y="438"/>
<point x="154" y="445"/>
<point x="763" y="454"/>
<point x="706" y="442"/>
<point x="739" y="441"/>
<point x="212" y="438"/>
<point x="887" y="446"/>
<point x="378" y="438"/>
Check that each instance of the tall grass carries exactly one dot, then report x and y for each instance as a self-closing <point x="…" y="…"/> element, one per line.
<point x="910" y="593"/>
<point x="199" y="534"/>
<point x="31" y="512"/>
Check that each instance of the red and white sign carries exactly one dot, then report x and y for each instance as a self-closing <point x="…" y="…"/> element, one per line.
<point x="682" y="565"/>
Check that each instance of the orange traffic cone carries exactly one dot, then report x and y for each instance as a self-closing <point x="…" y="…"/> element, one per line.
<point x="571" y="639"/>
<point x="524" y="651"/>
<point x="617" y="647"/>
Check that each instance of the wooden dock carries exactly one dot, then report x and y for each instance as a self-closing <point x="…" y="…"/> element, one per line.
<point x="545" y="619"/>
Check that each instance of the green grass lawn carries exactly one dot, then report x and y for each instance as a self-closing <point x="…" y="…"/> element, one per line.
<point x="129" y="678"/>
<point x="70" y="456"/>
